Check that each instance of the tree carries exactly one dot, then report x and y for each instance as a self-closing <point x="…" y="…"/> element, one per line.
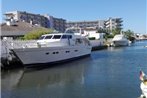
<point x="116" y="31"/>
<point x="107" y="35"/>
<point x="35" y="34"/>
<point x="101" y="30"/>
<point x="130" y="35"/>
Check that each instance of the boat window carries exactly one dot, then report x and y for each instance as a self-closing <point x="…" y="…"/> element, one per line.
<point x="57" y="52"/>
<point x="69" y="36"/>
<point x="57" y="37"/>
<point x="48" y="37"/>
<point x="54" y="52"/>
<point x="64" y="37"/>
<point x="42" y="37"/>
<point x="47" y="53"/>
<point x="67" y="51"/>
<point x="78" y="40"/>
<point x="76" y="50"/>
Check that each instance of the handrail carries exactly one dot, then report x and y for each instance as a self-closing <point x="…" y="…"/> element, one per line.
<point x="11" y="44"/>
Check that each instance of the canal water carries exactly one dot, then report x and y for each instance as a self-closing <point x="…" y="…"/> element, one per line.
<point x="109" y="73"/>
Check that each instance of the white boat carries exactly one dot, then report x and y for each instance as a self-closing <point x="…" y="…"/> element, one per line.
<point x="143" y="84"/>
<point x="54" y="48"/>
<point x="119" y="40"/>
<point x="144" y="90"/>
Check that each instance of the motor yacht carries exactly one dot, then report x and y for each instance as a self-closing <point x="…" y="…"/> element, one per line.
<point x="119" y="40"/>
<point x="53" y="48"/>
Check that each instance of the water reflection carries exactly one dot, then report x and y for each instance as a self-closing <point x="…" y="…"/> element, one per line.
<point x="57" y="75"/>
<point x="9" y="79"/>
<point x="48" y="77"/>
<point x="116" y="48"/>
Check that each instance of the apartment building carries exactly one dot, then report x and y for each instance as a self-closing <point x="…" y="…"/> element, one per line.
<point x="109" y="24"/>
<point x="58" y="24"/>
<point x="113" y="23"/>
<point x="85" y="24"/>
<point x="37" y="19"/>
<point x="34" y="19"/>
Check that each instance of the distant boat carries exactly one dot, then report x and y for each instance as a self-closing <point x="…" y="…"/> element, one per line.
<point x="120" y="40"/>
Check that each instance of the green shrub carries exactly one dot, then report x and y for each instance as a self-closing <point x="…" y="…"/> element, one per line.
<point x="110" y="36"/>
<point x="35" y="34"/>
<point x="106" y="36"/>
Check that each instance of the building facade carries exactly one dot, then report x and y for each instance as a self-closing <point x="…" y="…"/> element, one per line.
<point x="85" y="24"/>
<point x="110" y="24"/>
<point x="113" y="23"/>
<point x="34" y="19"/>
<point x="37" y="19"/>
<point x="58" y="24"/>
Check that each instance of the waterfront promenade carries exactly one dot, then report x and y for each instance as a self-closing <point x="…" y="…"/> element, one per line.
<point x="108" y="73"/>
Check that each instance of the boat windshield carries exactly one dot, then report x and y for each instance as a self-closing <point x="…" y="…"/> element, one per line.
<point x="42" y="37"/>
<point x="48" y="37"/>
<point x="56" y="36"/>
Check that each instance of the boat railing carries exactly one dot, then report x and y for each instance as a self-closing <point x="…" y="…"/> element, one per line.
<point x="53" y="44"/>
<point x="19" y="44"/>
<point x="14" y="44"/>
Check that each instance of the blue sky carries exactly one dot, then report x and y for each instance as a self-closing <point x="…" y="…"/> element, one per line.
<point x="133" y="12"/>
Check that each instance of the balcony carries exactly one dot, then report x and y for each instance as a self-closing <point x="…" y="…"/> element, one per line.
<point x="119" y="20"/>
<point x="119" y="25"/>
<point x="107" y="22"/>
<point x="107" y="26"/>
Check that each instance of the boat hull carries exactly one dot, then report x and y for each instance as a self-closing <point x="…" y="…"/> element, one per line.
<point x="50" y="64"/>
<point x="120" y="43"/>
<point x="120" y="40"/>
<point x="50" y="55"/>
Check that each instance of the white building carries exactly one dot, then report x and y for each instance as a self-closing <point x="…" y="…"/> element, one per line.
<point x="85" y="24"/>
<point x="37" y="19"/>
<point x="92" y="33"/>
<point x="113" y="23"/>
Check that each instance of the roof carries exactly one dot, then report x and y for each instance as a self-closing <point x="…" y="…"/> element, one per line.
<point x="13" y="33"/>
<point x="20" y="29"/>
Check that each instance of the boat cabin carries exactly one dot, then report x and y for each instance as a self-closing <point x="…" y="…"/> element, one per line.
<point x="62" y="39"/>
